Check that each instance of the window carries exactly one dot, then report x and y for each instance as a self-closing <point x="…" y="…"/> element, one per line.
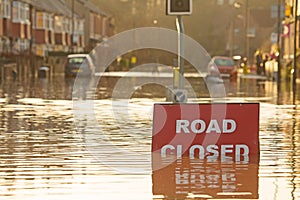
<point x="6" y="8"/>
<point x="20" y="45"/>
<point x="40" y="50"/>
<point x="44" y="21"/>
<point x="33" y="16"/>
<point x="20" y="12"/>
<point x="1" y="8"/>
<point x="224" y="62"/>
<point x="16" y="12"/>
<point x="66" y="25"/>
<point x="76" y="60"/>
<point x="81" y="27"/>
<point x="58" y="24"/>
<point x="23" y="45"/>
<point x="50" y="18"/>
<point x="26" y="11"/>
<point x="40" y="20"/>
<point x="92" y="25"/>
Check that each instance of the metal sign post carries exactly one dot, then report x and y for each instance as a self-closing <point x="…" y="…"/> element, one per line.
<point x="179" y="8"/>
<point x="180" y="30"/>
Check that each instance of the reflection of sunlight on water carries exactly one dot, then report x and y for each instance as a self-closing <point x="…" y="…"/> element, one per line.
<point x="279" y="128"/>
<point x="123" y="131"/>
<point x="49" y="161"/>
<point x="42" y="157"/>
<point x="83" y="187"/>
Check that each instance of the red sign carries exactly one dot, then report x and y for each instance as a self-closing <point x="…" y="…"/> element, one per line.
<point x="219" y="131"/>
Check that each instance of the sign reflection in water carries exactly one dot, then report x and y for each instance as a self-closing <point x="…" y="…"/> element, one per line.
<point x="195" y="178"/>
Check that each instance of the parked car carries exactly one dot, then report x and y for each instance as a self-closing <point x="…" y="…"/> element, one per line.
<point x="222" y="66"/>
<point x="79" y="64"/>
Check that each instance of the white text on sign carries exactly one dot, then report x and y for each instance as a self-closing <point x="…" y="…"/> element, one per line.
<point x="210" y="152"/>
<point x="200" y="126"/>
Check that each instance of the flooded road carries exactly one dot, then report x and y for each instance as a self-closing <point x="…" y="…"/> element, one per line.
<point x="45" y="155"/>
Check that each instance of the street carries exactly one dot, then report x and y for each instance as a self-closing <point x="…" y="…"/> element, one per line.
<point x="44" y="154"/>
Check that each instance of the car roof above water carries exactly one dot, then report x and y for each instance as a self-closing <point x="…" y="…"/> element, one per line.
<point x="77" y="55"/>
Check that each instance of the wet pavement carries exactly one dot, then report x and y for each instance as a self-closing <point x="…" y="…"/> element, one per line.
<point x="45" y="155"/>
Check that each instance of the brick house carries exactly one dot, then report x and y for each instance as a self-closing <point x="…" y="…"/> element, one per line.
<point x="14" y="27"/>
<point x="41" y="28"/>
<point x="98" y="24"/>
<point x="52" y="27"/>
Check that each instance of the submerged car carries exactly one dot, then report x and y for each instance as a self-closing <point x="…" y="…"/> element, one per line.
<point x="79" y="64"/>
<point x="222" y="66"/>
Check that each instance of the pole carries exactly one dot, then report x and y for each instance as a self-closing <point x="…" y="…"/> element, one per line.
<point x="73" y="28"/>
<point x="180" y="60"/>
<point x="246" y="31"/>
<point x="295" y="51"/>
<point x="279" y="17"/>
<point x="31" y="65"/>
<point x="231" y="38"/>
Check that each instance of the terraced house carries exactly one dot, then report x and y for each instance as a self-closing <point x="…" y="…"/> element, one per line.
<point x="15" y="27"/>
<point x="35" y="32"/>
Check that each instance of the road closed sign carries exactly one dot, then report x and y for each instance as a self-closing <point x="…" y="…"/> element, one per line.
<point x="218" y="131"/>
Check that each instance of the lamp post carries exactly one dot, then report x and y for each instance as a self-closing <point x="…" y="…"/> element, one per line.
<point x="232" y="26"/>
<point x="278" y="58"/>
<point x="246" y="29"/>
<point x="295" y="51"/>
<point x="72" y="36"/>
<point x="245" y="17"/>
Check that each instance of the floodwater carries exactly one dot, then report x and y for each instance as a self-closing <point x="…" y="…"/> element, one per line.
<point x="54" y="148"/>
